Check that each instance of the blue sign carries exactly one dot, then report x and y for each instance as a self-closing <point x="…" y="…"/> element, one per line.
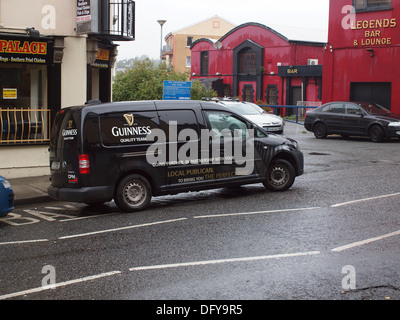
<point x="177" y="90"/>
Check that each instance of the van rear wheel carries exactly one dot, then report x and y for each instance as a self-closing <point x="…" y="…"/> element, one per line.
<point x="133" y="193"/>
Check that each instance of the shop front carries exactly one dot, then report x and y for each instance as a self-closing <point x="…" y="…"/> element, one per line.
<point x="25" y="67"/>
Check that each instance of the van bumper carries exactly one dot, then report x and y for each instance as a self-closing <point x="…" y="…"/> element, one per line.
<point x="83" y="195"/>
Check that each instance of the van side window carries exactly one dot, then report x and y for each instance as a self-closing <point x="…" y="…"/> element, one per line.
<point x="185" y="119"/>
<point x="220" y="120"/>
<point x="127" y="128"/>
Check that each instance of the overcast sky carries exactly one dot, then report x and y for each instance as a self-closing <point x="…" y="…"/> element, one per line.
<point x="295" y="19"/>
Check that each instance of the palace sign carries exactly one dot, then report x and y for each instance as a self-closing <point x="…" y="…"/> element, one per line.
<point x="25" y="50"/>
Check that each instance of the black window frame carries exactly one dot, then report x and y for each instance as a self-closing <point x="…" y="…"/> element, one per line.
<point x="247" y="61"/>
<point x="204" y="63"/>
<point x="275" y="94"/>
<point x="189" y="41"/>
<point x="369" y="6"/>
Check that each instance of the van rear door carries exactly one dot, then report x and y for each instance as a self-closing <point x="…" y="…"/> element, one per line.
<point x="65" y="157"/>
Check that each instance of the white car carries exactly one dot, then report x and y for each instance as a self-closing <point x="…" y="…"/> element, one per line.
<point x="269" y="122"/>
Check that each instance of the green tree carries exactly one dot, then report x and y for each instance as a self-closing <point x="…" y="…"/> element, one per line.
<point x="144" y="81"/>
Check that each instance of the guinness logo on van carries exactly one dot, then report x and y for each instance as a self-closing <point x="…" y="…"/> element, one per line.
<point x="130" y="119"/>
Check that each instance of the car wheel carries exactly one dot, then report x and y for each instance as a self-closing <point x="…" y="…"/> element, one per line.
<point x="280" y="176"/>
<point x="376" y="134"/>
<point x="320" y="131"/>
<point x="133" y="193"/>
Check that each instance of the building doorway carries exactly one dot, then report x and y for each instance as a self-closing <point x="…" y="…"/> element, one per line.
<point x="378" y="92"/>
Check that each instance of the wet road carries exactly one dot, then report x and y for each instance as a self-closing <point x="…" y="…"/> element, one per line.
<point x="334" y="235"/>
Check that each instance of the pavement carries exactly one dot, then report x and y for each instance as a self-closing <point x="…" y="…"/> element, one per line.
<point x="30" y="190"/>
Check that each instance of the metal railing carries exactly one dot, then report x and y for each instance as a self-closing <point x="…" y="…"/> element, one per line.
<point x="24" y="126"/>
<point x="293" y="114"/>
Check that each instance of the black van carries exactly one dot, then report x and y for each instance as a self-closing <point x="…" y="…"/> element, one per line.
<point x="131" y="151"/>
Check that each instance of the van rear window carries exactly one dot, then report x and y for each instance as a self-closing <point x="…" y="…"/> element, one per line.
<point x="127" y="128"/>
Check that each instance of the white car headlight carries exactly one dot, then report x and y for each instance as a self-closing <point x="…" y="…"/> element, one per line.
<point x="394" y="124"/>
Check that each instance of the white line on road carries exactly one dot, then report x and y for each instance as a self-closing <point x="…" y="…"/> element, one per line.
<point x="360" y="243"/>
<point x="366" y="199"/>
<point x="120" y="229"/>
<point x="255" y="212"/>
<point x="208" y="262"/>
<point x="22" y="242"/>
<point x="58" y="285"/>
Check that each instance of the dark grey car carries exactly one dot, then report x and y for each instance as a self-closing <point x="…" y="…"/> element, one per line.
<point x="353" y="119"/>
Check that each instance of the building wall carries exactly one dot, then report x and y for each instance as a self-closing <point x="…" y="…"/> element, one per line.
<point x="212" y="28"/>
<point x="275" y="50"/>
<point x="363" y="49"/>
<point x="74" y="67"/>
<point x="50" y="17"/>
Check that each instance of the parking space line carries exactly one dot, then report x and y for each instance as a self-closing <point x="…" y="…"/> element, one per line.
<point x="365" y="199"/>
<point x="209" y="262"/>
<point x="22" y="242"/>
<point x="58" y="285"/>
<point x="360" y="243"/>
<point x="120" y="229"/>
<point x="255" y="212"/>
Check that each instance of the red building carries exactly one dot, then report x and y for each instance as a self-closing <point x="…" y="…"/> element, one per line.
<point x="362" y="58"/>
<point x="256" y="63"/>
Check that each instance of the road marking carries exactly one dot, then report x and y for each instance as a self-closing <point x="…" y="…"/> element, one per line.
<point x="22" y="242"/>
<point x="120" y="229"/>
<point x="360" y="243"/>
<point x="87" y="217"/>
<point x="366" y="199"/>
<point x="209" y="262"/>
<point x="58" y="285"/>
<point x="255" y="212"/>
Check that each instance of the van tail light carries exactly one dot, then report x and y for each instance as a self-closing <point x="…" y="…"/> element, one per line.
<point x="84" y="164"/>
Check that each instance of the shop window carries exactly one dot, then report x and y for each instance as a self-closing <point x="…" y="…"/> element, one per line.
<point x="247" y="61"/>
<point x="24" y="116"/>
<point x="204" y="63"/>
<point x="370" y="5"/>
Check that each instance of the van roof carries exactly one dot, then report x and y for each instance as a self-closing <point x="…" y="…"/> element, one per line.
<point x="144" y="105"/>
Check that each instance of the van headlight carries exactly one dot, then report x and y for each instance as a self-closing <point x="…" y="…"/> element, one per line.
<point x="394" y="124"/>
<point x="294" y="144"/>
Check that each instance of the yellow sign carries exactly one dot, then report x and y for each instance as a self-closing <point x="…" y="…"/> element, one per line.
<point x="10" y="94"/>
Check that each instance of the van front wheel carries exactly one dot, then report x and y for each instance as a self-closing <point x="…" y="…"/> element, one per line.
<point x="280" y="176"/>
<point x="133" y="193"/>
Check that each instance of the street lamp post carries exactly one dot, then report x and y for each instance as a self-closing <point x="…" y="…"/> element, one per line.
<point x="161" y="22"/>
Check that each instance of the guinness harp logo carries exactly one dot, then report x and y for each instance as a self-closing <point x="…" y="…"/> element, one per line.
<point x="130" y="119"/>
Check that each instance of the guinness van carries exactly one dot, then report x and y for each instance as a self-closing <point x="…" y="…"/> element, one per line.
<point x="131" y="151"/>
